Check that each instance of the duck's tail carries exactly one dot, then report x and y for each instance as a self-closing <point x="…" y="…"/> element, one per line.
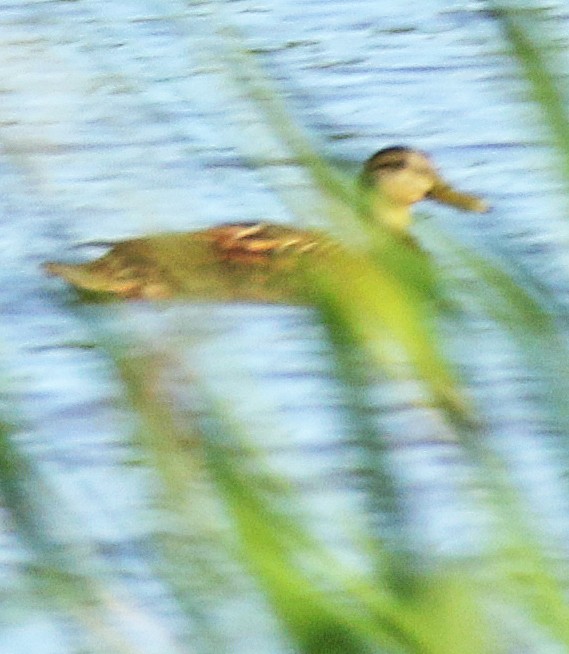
<point x="54" y="269"/>
<point x="80" y="276"/>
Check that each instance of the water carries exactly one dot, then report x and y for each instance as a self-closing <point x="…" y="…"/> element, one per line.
<point x="119" y="119"/>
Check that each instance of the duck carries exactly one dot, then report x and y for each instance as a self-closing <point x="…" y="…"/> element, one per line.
<point x="257" y="261"/>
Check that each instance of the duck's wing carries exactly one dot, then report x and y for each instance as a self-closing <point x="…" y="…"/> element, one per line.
<point x="260" y="243"/>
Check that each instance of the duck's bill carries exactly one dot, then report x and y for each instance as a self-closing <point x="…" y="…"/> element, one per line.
<point x="444" y="193"/>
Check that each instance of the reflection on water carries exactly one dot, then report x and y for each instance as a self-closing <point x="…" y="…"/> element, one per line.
<point x="118" y="119"/>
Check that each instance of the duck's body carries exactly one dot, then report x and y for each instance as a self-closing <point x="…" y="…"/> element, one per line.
<point x="254" y="261"/>
<point x="244" y="261"/>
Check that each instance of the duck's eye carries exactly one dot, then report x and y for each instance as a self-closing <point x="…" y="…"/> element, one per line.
<point x="377" y="168"/>
<point x="395" y="164"/>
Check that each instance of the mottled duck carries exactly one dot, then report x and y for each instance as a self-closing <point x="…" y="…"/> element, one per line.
<point x="258" y="261"/>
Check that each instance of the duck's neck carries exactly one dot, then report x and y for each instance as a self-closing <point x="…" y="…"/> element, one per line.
<point x="396" y="217"/>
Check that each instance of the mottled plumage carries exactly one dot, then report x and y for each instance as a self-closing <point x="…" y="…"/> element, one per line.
<point x="256" y="261"/>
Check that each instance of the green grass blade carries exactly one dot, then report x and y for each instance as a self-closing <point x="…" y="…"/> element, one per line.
<point x="525" y="32"/>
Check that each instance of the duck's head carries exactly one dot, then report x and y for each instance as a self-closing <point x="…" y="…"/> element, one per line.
<point x="403" y="176"/>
